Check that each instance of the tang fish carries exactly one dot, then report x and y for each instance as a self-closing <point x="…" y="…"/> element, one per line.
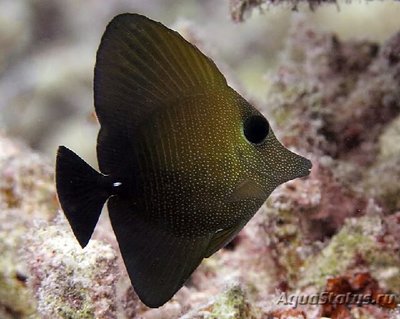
<point x="184" y="160"/>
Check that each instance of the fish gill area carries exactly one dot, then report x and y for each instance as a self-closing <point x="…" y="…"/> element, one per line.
<point x="334" y="233"/>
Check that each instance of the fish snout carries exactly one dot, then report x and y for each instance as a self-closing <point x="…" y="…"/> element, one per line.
<point x="305" y="166"/>
<point x="291" y="166"/>
<point x="298" y="165"/>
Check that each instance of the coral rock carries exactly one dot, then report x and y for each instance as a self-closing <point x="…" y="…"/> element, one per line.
<point x="69" y="282"/>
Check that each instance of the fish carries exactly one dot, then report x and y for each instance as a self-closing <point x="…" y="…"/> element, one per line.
<point x="184" y="160"/>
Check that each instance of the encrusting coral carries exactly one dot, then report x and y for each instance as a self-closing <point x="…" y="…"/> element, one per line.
<point x="231" y="304"/>
<point x="338" y="103"/>
<point x="69" y="282"/>
<point x="26" y="192"/>
<point x="328" y="91"/>
<point x="43" y="271"/>
<point x="241" y="8"/>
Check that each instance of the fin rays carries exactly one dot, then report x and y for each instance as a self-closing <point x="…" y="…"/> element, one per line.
<point x="81" y="193"/>
<point x="172" y="67"/>
<point x="157" y="261"/>
<point x="151" y="60"/>
<point x="142" y="65"/>
<point x="177" y="57"/>
<point x="136" y="64"/>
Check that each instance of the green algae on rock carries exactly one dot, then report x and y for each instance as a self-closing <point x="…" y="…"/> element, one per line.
<point x="231" y="304"/>
<point x="359" y="238"/>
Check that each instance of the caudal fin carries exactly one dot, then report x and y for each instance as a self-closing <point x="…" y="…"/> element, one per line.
<point x="82" y="192"/>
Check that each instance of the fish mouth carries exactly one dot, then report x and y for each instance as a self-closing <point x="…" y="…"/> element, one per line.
<point x="306" y="168"/>
<point x="301" y="168"/>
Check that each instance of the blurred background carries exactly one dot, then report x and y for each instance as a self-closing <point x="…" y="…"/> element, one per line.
<point x="48" y="47"/>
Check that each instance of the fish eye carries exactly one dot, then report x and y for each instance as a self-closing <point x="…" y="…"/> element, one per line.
<point x="256" y="129"/>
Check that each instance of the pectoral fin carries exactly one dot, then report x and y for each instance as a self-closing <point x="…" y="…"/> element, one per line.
<point x="248" y="190"/>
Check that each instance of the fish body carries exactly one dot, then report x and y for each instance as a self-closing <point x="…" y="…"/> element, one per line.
<point x="185" y="161"/>
<point x="195" y="158"/>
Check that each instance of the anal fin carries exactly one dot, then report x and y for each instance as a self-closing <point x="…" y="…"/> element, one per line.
<point x="248" y="190"/>
<point x="158" y="262"/>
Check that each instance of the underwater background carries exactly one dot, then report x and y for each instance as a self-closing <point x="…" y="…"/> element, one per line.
<point x="329" y="81"/>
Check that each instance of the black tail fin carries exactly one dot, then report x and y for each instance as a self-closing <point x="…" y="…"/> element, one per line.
<point x="81" y="191"/>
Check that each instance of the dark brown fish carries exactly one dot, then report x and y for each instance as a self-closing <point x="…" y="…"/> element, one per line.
<point x="185" y="161"/>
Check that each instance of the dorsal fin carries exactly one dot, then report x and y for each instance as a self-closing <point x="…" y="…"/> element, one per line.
<point x="142" y="65"/>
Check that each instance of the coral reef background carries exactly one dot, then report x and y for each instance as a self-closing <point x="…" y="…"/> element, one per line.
<point x="332" y="89"/>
